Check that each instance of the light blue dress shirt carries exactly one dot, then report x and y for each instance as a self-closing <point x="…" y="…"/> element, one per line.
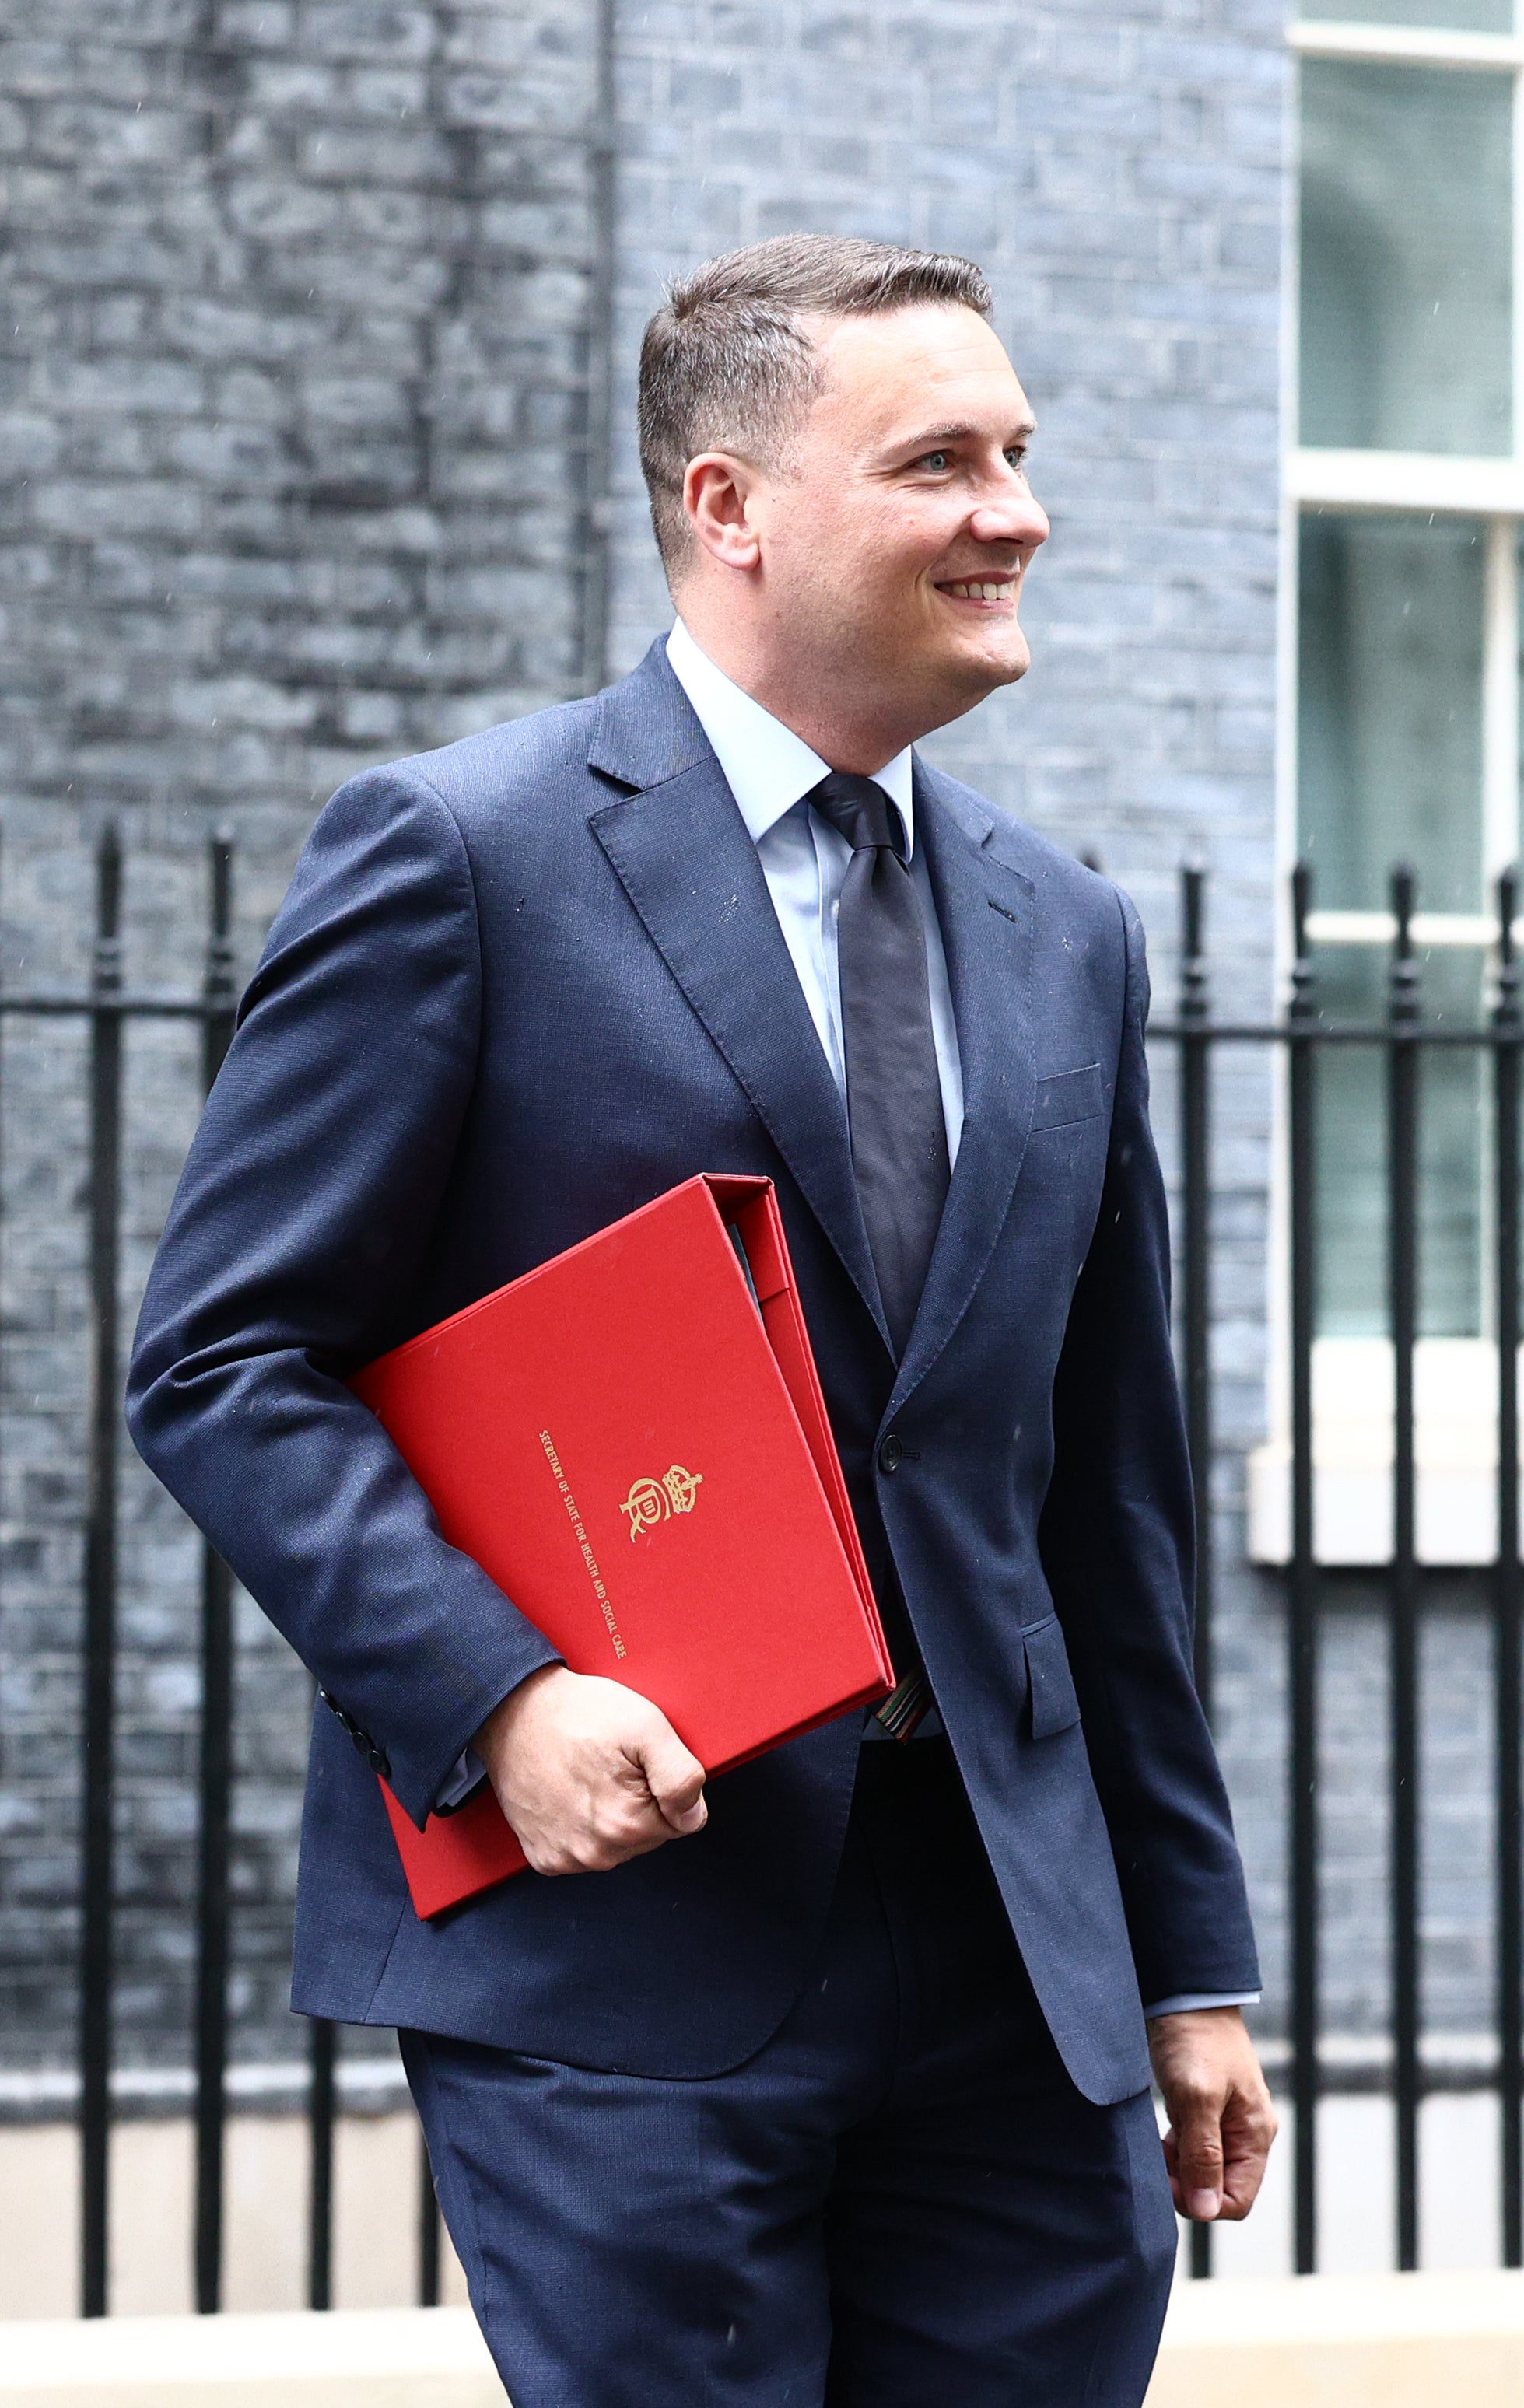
<point x="770" y="771"/>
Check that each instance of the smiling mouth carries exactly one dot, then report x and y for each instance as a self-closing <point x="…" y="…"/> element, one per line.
<point x="983" y="591"/>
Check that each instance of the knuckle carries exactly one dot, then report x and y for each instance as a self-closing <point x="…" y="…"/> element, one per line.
<point x="1203" y="2140"/>
<point x="1201" y="2149"/>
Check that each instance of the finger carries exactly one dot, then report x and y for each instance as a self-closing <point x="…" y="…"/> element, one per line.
<point x="597" y="1851"/>
<point x="1246" y="2146"/>
<point x="675" y="1779"/>
<point x="1239" y="2192"/>
<point x="593" y="1836"/>
<point x="549" y="1858"/>
<point x="1172" y="2166"/>
<point x="1198" y="2147"/>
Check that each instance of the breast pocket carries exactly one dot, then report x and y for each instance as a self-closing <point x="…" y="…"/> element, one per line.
<point x="1050" y="1683"/>
<point x="1068" y="1096"/>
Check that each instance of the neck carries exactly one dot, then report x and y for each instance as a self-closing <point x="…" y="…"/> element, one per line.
<point x="843" y="719"/>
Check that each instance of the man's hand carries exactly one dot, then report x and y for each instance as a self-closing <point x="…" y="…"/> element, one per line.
<point x="588" y="1773"/>
<point x="1221" y="2121"/>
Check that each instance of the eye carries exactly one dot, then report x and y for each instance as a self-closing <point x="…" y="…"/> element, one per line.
<point x="1015" y="454"/>
<point x="935" y="461"/>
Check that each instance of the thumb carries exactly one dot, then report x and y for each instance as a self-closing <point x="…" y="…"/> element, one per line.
<point x="1198" y="2147"/>
<point x="674" y="1777"/>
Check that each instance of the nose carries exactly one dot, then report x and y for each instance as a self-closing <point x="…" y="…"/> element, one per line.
<point x="1015" y="517"/>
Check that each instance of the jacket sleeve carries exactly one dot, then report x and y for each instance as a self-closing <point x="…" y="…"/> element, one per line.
<point x="1117" y="1544"/>
<point x="291" y="1251"/>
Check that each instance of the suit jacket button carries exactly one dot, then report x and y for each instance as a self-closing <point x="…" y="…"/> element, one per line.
<point x="891" y="1454"/>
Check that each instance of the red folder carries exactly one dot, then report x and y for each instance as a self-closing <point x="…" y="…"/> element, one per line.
<point x="631" y="1440"/>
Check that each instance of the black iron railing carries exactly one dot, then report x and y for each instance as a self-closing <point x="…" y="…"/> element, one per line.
<point x="1303" y="1035"/>
<point x="1401" y="1037"/>
<point x="106" y="1007"/>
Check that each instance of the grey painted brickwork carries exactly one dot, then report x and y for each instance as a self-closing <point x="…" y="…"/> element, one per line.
<point x="298" y="308"/>
<point x="294" y="344"/>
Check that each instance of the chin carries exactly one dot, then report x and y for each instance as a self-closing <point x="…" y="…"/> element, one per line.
<point x="991" y="668"/>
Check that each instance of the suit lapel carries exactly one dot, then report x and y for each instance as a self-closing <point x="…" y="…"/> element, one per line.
<point x="680" y="849"/>
<point x="984" y="908"/>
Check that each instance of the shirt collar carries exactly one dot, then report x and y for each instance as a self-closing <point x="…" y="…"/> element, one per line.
<point x="767" y="766"/>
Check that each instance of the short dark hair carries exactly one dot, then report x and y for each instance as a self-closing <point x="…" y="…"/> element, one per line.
<point x="727" y="366"/>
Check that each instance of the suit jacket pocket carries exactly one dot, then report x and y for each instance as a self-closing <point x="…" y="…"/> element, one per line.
<point x="1068" y="1096"/>
<point x="1050" y="1683"/>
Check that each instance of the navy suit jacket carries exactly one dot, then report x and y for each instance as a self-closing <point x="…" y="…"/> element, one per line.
<point x="518" y="987"/>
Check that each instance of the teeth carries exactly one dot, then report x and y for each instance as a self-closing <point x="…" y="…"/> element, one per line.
<point x="985" y="592"/>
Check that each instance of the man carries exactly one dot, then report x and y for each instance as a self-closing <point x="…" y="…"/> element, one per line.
<point x="828" y="2082"/>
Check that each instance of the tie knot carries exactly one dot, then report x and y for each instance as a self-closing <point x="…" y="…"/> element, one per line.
<point x="859" y="811"/>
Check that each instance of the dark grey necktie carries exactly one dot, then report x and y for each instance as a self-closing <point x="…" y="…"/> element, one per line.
<point x="894" y="1095"/>
<point x="894" y="1111"/>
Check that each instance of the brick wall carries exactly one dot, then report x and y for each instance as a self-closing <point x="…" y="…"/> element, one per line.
<point x="294" y="339"/>
<point x="296" y="320"/>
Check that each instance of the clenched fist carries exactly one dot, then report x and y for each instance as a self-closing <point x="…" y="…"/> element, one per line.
<point x="1221" y="2120"/>
<point x="588" y="1773"/>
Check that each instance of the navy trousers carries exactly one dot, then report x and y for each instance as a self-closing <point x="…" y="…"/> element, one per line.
<point x="899" y="2201"/>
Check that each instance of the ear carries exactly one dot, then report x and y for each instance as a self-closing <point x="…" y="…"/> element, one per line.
<point x="718" y="490"/>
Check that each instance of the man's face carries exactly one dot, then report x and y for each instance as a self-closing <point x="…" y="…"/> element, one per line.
<point x="894" y="546"/>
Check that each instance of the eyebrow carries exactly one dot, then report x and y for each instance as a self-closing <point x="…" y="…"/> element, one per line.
<point x="958" y="432"/>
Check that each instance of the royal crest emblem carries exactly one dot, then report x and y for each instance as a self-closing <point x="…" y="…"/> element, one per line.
<point x="652" y="1501"/>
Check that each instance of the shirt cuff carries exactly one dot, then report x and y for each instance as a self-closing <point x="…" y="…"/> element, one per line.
<point x="464" y="1779"/>
<point x="1189" y="2001"/>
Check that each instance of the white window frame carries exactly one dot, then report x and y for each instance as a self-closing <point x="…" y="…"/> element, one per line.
<point x="1352" y="1378"/>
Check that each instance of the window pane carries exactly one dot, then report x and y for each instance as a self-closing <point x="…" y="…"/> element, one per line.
<point x="1352" y="1151"/>
<point x="1405" y="258"/>
<point x="1389" y="767"/>
<point x="1451" y="16"/>
<point x="1391" y="721"/>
